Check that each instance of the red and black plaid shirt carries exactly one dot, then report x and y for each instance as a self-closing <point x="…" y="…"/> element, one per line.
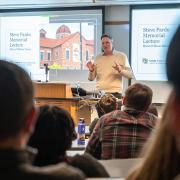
<point x="120" y="134"/>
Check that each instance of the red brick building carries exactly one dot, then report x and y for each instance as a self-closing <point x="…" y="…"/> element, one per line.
<point x="64" y="51"/>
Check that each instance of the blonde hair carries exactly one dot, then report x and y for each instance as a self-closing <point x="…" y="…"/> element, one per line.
<point x="162" y="160"/>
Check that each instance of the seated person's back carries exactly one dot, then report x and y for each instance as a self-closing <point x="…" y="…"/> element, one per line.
<point x="122" y="134"/>
<point x="53" y="135"/>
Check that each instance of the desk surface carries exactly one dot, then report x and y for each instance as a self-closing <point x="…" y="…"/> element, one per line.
<point x="76" y="147"/>
<point x="73" y="152"/>
<point x="119" y="167"/>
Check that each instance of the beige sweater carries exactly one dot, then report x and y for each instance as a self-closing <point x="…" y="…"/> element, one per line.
<point x="107" y="78"/>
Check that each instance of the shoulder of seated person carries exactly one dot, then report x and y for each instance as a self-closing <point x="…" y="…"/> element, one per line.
<point x="63" y="171"/>
<point x="86" y="161"/>
<point x="86" y="157"/>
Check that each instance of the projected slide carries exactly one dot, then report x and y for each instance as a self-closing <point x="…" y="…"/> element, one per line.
<point x="151" y="32"/>
<point x="19" y="42"/>
<point x="60" y="39"/>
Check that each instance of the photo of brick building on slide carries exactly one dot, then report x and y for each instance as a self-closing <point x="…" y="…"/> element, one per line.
<point x="64" y="51"/>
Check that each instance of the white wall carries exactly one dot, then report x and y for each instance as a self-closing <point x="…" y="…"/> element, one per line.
<point x="120" y="34"/>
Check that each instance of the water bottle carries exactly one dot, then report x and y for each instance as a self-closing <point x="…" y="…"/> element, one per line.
<point x="81" y="132"/>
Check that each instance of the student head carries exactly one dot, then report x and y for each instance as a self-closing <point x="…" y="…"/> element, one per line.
<point x="173" y="72"/>
<point x="53" y="134"/>
<point x="107" y="43"/>
<point x="106" y="104"/>
<point x="138" y="96"/>
<point x="17" y="111"/>
<point x="173" y="62"/>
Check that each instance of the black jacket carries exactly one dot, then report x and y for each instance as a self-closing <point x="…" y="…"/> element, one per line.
<point x="16" y="164"/>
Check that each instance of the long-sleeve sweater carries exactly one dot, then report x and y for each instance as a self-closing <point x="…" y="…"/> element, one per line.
<point x="107" y="78"/>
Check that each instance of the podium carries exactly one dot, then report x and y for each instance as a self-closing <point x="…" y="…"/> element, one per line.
<point x="60" y="94"/>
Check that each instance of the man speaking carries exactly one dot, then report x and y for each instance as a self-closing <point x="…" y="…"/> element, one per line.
<point x="109" y="68"/>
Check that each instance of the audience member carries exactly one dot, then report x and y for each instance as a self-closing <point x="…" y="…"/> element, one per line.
<point x="18" y="115"/>
<point x="122" y="134"/>
<point x="162" y="158"/>
<point x="53" y="135"/>
<point x="173" y="71"/>
<point x="106" y="104"/>
<point x="153" y="109"/>
<point x="109" y="68"/>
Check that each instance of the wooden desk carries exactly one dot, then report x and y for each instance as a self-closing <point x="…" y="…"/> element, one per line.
<point x="60" y="94"/>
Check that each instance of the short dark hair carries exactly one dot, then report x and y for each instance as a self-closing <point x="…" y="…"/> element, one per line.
<point x="173" y="61"/>
<point x="106" y="35"/>
<point x="138" y="96"/>
<point x="106" y="104"/>
<point x="53" y="134"/>
<point x="16" y="98"/>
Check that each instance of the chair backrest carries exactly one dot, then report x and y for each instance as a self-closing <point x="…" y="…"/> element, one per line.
<point x="119" y="167"/>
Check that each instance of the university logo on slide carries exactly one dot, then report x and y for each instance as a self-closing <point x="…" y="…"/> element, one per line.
<point x="145" y="60"/>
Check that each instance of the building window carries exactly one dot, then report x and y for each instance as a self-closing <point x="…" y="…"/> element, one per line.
<point x="76" y="52"/>
<point x="87" y="55"/>
<point x="49" y="56"/>
<point x="67" y="54"/>
<point x="41" y="56"/>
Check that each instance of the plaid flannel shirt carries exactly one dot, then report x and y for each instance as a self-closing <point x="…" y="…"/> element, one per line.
<point x="120" y="134"/>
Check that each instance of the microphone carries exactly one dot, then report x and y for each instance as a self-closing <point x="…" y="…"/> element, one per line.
<point x="77" y="87"/>
<point x="78" y="91"/>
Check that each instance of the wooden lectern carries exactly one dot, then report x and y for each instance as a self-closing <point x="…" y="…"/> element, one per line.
<point x="60" y="94"/>
<point x="52" y="90"/>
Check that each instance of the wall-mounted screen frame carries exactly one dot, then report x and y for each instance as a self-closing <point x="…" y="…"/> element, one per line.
<point x="151" y="29"/>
